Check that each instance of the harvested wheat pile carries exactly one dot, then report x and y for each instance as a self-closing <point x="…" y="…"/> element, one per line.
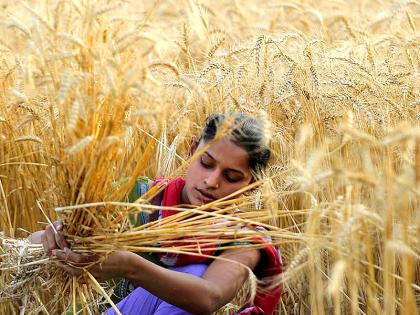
<point x="96" y="91"/>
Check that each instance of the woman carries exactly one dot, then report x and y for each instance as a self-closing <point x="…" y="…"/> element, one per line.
<point x="191" y="285"/>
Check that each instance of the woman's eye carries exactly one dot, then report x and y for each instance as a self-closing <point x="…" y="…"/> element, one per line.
<point x="204" y="164"/>
<point x="232" y="179"/>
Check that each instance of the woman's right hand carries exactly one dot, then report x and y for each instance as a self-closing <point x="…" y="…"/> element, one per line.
<point x="51" y="239"/>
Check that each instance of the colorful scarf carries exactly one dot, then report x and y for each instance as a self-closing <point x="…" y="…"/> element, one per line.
<point x="269" y="266"/>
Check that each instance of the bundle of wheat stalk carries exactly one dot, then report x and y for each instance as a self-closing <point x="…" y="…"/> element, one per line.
<point x="93" y="92"/>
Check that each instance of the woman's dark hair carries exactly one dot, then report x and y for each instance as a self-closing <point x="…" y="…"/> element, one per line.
<point x="247" y="132"/>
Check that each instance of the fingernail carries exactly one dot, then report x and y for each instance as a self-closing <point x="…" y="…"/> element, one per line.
<point x="54" y="252"/>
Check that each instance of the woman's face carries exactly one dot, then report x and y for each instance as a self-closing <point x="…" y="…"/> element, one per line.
<point x="220" y="171"/>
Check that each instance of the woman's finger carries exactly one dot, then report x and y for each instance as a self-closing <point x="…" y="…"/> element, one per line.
<point x="58" y="225"/>
<point x="61" y="256"/>
<point x="60" y="240"/>
<point x="71" y="257"/>
<point x="67" y="256"/>
<point x="75" y="272"/>
<point x="44" y="242"/>
<point x="49" y="239"/>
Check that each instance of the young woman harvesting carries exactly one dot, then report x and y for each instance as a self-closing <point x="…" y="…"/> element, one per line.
<point x="190" y="284"/>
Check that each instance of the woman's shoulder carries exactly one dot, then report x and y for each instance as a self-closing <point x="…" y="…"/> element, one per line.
<point x="141" y="186"/>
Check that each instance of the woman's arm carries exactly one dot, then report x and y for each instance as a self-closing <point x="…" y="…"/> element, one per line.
<point x="219" y="285"/>
<point x="36" y="237"/>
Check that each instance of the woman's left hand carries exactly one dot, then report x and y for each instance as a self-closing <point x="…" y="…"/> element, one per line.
<point x="102" y="268"/>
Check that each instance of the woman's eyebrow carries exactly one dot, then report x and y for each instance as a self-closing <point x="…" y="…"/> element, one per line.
<point x="210" y="155"/>
<point x="229" y="169"/>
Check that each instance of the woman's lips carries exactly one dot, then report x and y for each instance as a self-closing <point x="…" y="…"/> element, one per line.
<point x="205" y="197"/>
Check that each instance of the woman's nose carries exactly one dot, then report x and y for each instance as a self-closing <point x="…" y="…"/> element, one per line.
<point x="212" y="179"/>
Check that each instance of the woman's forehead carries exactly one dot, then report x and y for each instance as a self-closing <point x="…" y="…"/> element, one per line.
<point x="228" y="153"/>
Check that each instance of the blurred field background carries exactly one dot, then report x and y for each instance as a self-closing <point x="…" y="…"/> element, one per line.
<point x="97" y="90"/>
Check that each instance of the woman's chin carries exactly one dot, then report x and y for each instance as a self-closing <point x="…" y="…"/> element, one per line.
<point x="198" y="202"/>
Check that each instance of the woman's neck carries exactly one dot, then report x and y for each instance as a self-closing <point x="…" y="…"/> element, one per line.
<point x="184" y="197"/>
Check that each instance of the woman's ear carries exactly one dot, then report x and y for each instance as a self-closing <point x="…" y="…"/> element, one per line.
<point x="193" y="146"/>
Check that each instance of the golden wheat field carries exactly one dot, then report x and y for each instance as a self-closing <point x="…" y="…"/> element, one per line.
<point x="93" y="91"/>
